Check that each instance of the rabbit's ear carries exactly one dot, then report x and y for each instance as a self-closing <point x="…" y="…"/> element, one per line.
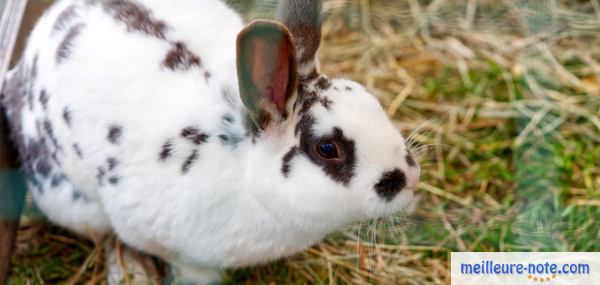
<point x="303" y="19"/>
<point x="266" y="68"/>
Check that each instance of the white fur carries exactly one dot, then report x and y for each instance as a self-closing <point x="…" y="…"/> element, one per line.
<point x="234" y="207"/>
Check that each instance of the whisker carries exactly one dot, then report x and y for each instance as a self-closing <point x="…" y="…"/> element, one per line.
<point x="421" y="126"/>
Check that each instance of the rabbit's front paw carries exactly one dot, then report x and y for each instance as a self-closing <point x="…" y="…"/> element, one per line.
<point x="190" y="275"/>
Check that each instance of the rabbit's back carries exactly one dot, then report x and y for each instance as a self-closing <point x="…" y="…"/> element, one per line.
<point x="120" y="88"/>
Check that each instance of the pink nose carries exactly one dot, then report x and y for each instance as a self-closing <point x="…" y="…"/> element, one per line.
<point x="412" y="176"/>
<point x="413" y="171"/>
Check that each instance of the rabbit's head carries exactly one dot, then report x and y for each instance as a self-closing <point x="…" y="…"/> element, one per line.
<point x="338" y="153"/>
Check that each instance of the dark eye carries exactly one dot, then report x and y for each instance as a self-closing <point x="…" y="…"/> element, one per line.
<point x="327" y="150"/>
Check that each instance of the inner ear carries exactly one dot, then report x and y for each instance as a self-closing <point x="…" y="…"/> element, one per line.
<point x="266" y="69"/>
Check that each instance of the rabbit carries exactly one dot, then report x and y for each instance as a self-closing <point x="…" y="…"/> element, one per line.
<point x="196" y="139"/>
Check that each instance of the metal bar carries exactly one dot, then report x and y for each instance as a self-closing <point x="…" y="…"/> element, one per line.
<point x="9" y="30"/>
<point x="12" y="184"/>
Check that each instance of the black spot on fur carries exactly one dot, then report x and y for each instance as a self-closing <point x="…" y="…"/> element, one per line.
<point x="112" y="163"/>
<point x="306" y="99"/>
<point x="64" y="49"/>
<point x="348" y="88"/>
<point x="100" y="175"/>
<point x="50" y="132"/>
<point x="207" y="76"/>
<point x="135" y="17"/>
<point x="287" y="158"/>
<point x="228" y="118"/>
<point x="77" y="150"/>
<point x="44" y="99"/>
<point x="57" y="180"/>
<point x="67" y="116"/>
<point x="29" y="91"/>
<point x="189" y="161"/>
<point x="410" y="160"/>
<point x="48" y="127"/>
<point x="194" y="135"/>
<point x="114" y="180"/>
<point x="189" y="131"/>
<point x="35" y="157"/>
<point x="390" y="184"/>
<point x="326" y="102"/>
<point x="180" y="58"/>
<point x="43" y="167"/>
<point x="304" y="124"/>
<point x="78" y="195"/>
<point x="165" y="152"/>
<point x="65" y="17"/>
<point x="323" y="83"/>
<point x="114" y="134"/>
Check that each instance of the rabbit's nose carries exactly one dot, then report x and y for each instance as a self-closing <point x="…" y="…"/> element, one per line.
<point x="390" y="184"/>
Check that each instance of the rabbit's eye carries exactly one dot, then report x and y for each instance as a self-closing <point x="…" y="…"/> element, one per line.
<point x="327" y="150"/>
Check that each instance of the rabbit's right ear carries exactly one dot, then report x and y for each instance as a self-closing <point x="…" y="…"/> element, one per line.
<point x="266" y="68"/>
<point x="303" y="19"/>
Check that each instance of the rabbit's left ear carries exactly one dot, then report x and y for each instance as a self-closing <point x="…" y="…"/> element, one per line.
<point x="266" y="68"/>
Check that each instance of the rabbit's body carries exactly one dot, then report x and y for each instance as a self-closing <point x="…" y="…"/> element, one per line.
<point x="128" y="118"/>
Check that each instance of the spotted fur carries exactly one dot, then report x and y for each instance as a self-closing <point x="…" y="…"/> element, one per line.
<point x="64" y="50"/>
<point x="135" y="17"/>
<point x="166" y="149"/>
<point x="77" y="150"/>
<point x="323" y="83"/>
<point x="390" y="184"/>
<point x="189" y="161"/>
<point x="180" y="58"/>
<point x="101" y="173"/>
<point x="114" y="180"/>
<point x="44" y="99"/>
<point x="287" y="158"/>
<point x="194" y="135"/>
<point x="66" y="115"/>
<point x="114" y="134"/>
<point x="112" y="163"/>
<point x="130" y="118"/>
<point x="65" y="17"/>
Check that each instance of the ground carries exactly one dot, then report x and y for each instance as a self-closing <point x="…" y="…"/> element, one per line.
<point x="500" y="99"/>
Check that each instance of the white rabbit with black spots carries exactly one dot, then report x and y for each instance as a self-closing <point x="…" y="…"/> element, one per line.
<point x="195" y="139"/>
